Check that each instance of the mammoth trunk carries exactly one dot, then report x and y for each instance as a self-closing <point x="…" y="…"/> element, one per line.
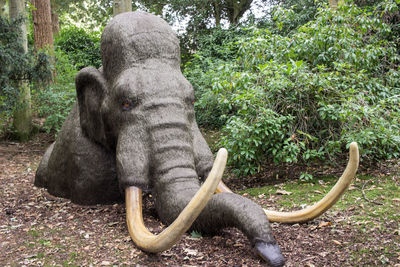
<point x="132" y="155"/>
<point x="176" y="182"/>
<point x="172" y="156"/>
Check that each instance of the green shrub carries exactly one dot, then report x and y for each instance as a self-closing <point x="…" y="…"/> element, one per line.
<point x="75" y="49"/>
<point x="82" y="48"/>
<point x="306" y="95"/>
<point x="216" y="48"/>
<point x="55" y="101"/>
<point x="17" y="66"/>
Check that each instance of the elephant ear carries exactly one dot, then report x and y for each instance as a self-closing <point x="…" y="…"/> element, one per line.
<point x="91" y="88"/>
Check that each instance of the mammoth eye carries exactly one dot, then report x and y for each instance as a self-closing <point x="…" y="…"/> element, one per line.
<point x="127" y="105"/>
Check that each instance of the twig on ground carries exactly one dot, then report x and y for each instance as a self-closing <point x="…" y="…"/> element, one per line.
<point x="365" y="197"/>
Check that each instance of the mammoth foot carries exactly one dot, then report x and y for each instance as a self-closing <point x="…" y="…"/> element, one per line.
<point x="271" y="253"/>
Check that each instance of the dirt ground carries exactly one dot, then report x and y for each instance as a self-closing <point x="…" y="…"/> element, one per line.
<point x="38" y="229"/>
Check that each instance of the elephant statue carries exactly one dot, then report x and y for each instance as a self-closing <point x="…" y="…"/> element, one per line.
<point x="133" y="129"/>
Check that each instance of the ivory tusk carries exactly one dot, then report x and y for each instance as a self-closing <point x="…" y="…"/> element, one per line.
<point x="167" y="238"/>
<point x="222" y="188"/>
<point x="325" y="203"/>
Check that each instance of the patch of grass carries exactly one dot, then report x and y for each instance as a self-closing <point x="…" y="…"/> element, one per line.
<point x="371" y="206"/>
<point x="71" y="261"/>
<point x="46" y="243"/>
<point x="34" y="233"/>
<point x="371" y="197"/>
<point x="381" y="253"/>
<point x="40" y="255"/>
<point x="195" y="234"/>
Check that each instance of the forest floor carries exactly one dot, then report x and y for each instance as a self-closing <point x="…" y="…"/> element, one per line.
<point x="38" y="229"/>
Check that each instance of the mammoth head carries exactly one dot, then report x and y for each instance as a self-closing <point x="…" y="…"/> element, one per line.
<point x="133" y="40"/>
<point x="137" y="38"/>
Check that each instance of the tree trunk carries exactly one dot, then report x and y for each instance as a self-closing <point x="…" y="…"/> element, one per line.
<point x="2" y="7"/>
<point x="236" y="9"/>
<point x="217" y="13"/>
<point x="23" y="112"/>
<point x="55" y="23"/>
<point x="42" y="27"/>
<point x="121" y="6"/>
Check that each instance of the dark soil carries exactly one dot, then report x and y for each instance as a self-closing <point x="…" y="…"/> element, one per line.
<point x="38" y="229"/>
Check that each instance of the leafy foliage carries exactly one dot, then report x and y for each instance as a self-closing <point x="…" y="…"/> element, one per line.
<point x="90" y="14"/>
<point x="215" y="48"/>
<point x="307" y="94"/>
<point x="54" y="102"/>
<point x="14" y="63"/>
<point x="291" y="14"/>
<point x="75" y="49"/>
<point x="15" y="66"/>
<point x="82" y="48"/>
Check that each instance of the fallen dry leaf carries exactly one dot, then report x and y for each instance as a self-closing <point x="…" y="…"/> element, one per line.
<point x="190" y="252"/>
<point x="324" y="224"/>
<point x="283" y="192"/>
<point x="352" y="187"/>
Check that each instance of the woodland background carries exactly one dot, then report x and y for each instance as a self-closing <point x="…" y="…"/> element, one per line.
<point x="281" y="81"/>
<point x="284" y="85"/>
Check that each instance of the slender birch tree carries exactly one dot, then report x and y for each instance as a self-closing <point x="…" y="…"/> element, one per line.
<point x="22" y="117"/>
<point x="2" y="7"/>
<point x="55" y="22"/>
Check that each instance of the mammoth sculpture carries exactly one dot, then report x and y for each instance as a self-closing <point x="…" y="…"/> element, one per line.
<point x="133" y="128"/>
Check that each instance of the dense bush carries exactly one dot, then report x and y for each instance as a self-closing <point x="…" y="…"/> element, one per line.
<point x="54" y="101"/>
<point x="82" y="48"/>
<point x="215" y="48"/>
<point x="308" y="94"/>
<point x="17" y="66"/>
<point x="14" y="63"/>
<point x="74" y="50"/>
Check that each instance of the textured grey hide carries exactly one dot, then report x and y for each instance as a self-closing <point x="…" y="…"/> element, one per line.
<point x="134" y="125"/>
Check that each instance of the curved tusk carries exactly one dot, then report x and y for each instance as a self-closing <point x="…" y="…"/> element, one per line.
<point x="167" y="238"/>
<point x="221" y="188"/>
<point x="325" y="203"/>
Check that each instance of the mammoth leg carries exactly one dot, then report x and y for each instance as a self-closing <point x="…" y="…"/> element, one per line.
<point x="40" y="179"/>
<point x="74" y="167"/>
<point x="223" y="210"/>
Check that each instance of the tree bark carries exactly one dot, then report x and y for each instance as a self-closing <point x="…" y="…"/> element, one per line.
<point x="22" y="116"/>
<point x="2" y="7"/>
<point x="217" y="13"/>
<point x="42" y="27"/>
<point x="236" y="9"/>
<point x="121" y="6"/>
<point x="55" y="23"/>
